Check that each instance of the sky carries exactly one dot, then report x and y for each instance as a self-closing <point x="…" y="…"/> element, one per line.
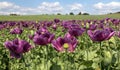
<point x="33" y="7"/>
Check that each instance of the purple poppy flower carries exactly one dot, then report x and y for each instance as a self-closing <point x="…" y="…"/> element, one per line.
<point x="68" y="42"/>
<point x="92" y="26"/>
<point x="74" y="26"/>
<point x="116" y="22"/>
<point x="100" y="25"/>
<point x="76" y="31"/>
<point x="48" y="24"/>
<point x="16" y="31"/>
<point x="11" y="23"/>
<point x="1" y="22"/>
<point x="118" y="34"/>
<point x="68" y="24"/>
<point x="102" y="21"/>
<point x="56" y="20"/>
<point x="89" y="21"/>
<point x="24" y="24"/>
<point x="30" y="37"/>
<point x="1" y="26"/>
<point x="41" y="31"/>
<point x="43" y="38"/>
<point x="17" y="47"/>
<point x="100" y="35"/>
<point x="68" y="35"/>
<point x="107" y="19"/>
<point x="73" y="21"/>
<point x="108" y="29"/>
<point x="54" y="26"/>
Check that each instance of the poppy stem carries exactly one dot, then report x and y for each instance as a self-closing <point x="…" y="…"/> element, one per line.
<point x="17" y="36"/>
<point x="66" y="60"/>
<point x="74" y="61"/>
<point x="6" y="61"/>
<point x="118" y="53"/>
<point x="100" y="55"/>
<point x="46" y="57"/>
<point x="87" y="52"/>
<point x="87" y="48"/>
<point x="24" y="61"/>
<point x="118" y="56"/>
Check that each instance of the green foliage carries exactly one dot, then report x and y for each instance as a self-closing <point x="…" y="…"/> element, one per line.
<point x="86" y="55"/>
<point x="71" y="13"/>
<point x="51" y="17"/>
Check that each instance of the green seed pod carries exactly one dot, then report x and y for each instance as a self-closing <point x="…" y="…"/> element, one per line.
<point x="66" y="45"/>
<point x="36" y="21"/>
<point x="87" y="25"/>
<point x="107" y="57"/>
<point x="32" y="32"/>
<point x="112" y="40"/>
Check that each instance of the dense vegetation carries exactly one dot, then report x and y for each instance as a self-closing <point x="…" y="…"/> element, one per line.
<point x="59" y="44"/>
<point x="62" y="17"/>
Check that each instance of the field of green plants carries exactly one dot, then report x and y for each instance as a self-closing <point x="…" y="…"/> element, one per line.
<point x="60" y="43"/>
<point x="62" y="17"/>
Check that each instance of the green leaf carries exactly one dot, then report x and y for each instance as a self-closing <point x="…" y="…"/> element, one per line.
<point x="88" y="63"/>
<point x="55" y="67"/>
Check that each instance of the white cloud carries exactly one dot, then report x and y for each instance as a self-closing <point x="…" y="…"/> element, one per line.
<point x="50" y="7"/>
<point x="7" y="5"/>
<point x="56" y="7"/>
<point x="7" y="13"/>
<point x="107" y="7"/>
<point x="76" y="7"/>
<point x="43" y="8"/>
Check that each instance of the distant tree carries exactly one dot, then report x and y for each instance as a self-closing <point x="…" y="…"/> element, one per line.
<point x="13" y="14"/>
<point x="58" y="13"/>
<point x="85" y="13"/>
<point x="118" y="12"/>
<point x="45" y="14"/>
<point x="71" y="13"/>
<point x="79" y="13"/>
<point x="110" y="13"/>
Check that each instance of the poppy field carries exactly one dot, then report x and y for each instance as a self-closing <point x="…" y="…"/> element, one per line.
<point x="60" y="44"/>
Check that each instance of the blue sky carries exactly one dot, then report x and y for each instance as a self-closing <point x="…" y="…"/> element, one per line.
<point x="27" y="7"/>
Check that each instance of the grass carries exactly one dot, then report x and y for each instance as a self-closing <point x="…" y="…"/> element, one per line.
<point x="51" y="17"/>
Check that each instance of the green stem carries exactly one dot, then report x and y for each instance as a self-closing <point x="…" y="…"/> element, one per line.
<point x="6" y="61"/>
<point x="118" y="56"/>
<point x="87" y="52"/>
<point x="118" y="52"/>
<point x="87" y="48"/>
<point x="100" y="55"/>
<point x="68" y="61"/>
<point x="23" y="59"/>
<point x="74" y="60"/>
<point x="109" y="67"/>
<point x="46" y="58"/>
